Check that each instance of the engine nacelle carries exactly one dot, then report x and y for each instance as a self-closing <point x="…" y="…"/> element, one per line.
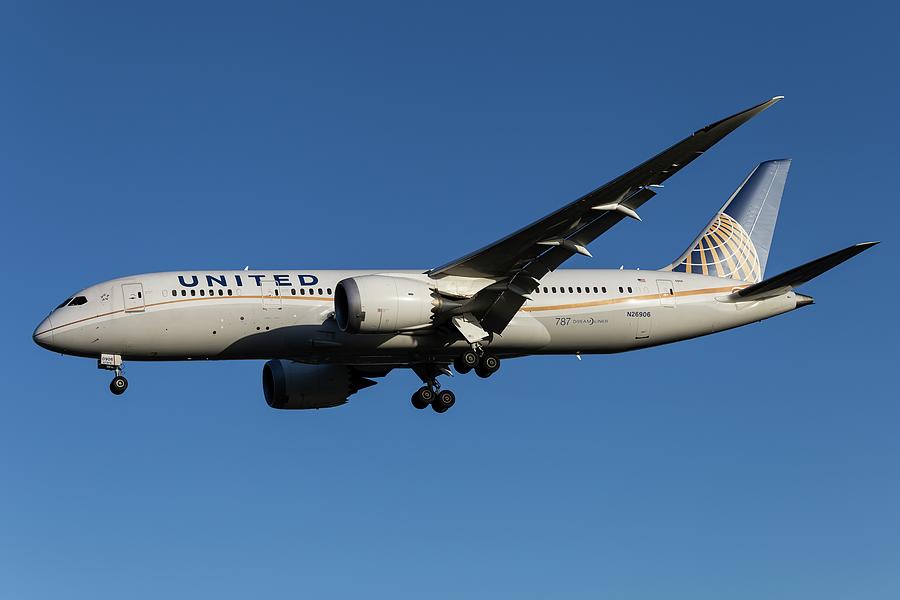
<point x="292" y="385"/>
<point x="385" y="304"/>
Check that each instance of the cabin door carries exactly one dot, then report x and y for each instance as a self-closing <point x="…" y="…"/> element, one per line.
<point x="133" y="297"/>
<point x="271" y="296"/>
<point x="666" y="292"/>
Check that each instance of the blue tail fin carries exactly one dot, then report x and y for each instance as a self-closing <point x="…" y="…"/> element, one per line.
<point x="735" y="244"/>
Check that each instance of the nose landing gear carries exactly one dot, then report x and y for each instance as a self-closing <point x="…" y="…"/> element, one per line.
<point x="113" y="362"/>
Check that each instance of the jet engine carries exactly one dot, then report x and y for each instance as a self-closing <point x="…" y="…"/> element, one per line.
<point x="385" y="304"/>
<point x="292" y="385"/>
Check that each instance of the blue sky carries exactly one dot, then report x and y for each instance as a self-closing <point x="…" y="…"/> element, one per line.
<point x="761" y="462"/>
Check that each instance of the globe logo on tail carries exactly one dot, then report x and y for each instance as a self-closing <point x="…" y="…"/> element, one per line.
<point x="724" y="250"/>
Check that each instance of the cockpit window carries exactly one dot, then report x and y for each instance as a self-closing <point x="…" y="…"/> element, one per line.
<point x="78" y="301"/>
<point x="64" y="302"/>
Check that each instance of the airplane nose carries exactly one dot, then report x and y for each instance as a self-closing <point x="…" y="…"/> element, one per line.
<point x="43" y="334"/>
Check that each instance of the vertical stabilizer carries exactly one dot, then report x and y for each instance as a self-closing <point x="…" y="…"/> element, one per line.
<point x="736" y="242"/>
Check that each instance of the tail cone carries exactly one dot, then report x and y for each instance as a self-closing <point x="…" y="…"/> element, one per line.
<point x="803" y="300"/>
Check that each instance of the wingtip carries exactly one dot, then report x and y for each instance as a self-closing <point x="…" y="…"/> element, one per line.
<point x="777" y="98"/>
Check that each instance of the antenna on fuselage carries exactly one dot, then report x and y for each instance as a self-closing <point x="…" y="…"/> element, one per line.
<point x="247" y="268"/>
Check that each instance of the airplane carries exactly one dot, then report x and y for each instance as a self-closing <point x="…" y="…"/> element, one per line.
<point x="326" y="334"/>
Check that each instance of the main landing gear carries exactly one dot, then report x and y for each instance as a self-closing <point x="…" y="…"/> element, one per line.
<point x="431" y="394"/>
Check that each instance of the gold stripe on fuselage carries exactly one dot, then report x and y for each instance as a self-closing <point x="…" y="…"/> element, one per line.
<point x="606" y="302"/>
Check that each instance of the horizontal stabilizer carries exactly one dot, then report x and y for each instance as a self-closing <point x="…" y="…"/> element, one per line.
<point x="797" y="276"/>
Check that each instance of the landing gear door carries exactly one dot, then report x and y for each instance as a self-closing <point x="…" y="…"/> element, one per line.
<point x="271" y="298"/>
<point x="133" y="297"/>
<point x="666" y="293"/>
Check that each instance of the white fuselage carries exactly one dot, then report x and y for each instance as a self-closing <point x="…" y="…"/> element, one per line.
<point x="289" y="314"/>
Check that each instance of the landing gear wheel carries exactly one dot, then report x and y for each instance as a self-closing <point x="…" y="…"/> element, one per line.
<point x="118" y="385"/>
<point x="422" y="397"/>
<point x="489" y="365"/>
<point x="443" y="401"/>
<point x="465" y="362"/>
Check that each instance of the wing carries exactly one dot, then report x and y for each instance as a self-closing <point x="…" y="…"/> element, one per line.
<point x="519" y="260"/>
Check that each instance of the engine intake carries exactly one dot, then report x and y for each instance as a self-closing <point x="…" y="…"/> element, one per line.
<point x="292" y="385"/>
<point x="385" y="304"/>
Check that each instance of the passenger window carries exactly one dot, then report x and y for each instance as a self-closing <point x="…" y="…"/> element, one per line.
<point x="202" y="292"/>
<point x="139" y="296"/>
<point x="221" y="293"/>
<point x="570" y="289"/>
<point x="302" y="291"/>
<point x="579" y="289"/>
<point x="603" y="289"/>
<point x="174" y="292"/>
<point x="329" y="291"/>
<point x="629" y="289"/>
<point x="595" y="289"/>
<point x="545" y="289"/>
<point x="193" y="292"/>
<point x="621" y="290"/>
<point x="320" y="291"/>
<point x="183" y="293"/>
<point x="276" y="291"/>
<point x="229" y="292"/>
<point x="554" y="290"/>
<point x="293" y="291"/>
